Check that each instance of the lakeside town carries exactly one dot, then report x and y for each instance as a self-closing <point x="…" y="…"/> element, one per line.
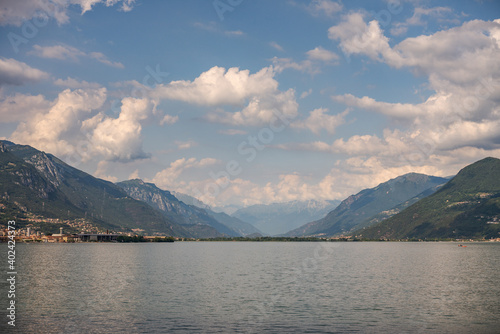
<point x="29" y="235"/>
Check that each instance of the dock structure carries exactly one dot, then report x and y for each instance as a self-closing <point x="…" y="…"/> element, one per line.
<point x="97" y="236"/>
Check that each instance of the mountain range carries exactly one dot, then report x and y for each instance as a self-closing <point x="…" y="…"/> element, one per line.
<point x="38" y="188"/>
<point x="468" y="206"/>
<point x="190" y="216"/>
<point x="370" y="205"/>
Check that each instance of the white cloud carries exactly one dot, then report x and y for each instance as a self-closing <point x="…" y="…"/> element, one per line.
<point x="463" y="68"/>
<point x="66" y="52"/>
<point x="321" y="54"/>
<point x="212" y="26"/>
<point x="74" y="83"/>
<point x="86" y="5"/>
<point x="168" y="119"/>
<point x="15" y="12"/>
<point x="134" y="175"/>
<point x="326" y="7"/>
<point x="101" y="172"/>
<point x="71" y="127"/>
<point x="439" y="13"/>
<point x="257" y="94"/>
<point x="398" y="110"/>
<point x="184" y="145"/>
<point x="312" y="65"/>
<point x="358" y="37"/>
<point x="259" y="111"/>
<point x="57" y="129"/>
<point x="100" y="57"/>
<point x="306" y="93"/>
<point x="61" y="52"/>
<point x="20" y="107"/>
<point x="456" y="56"/>
<point x="345" y="178"/>
<point x="232" y="132"/>
<point x="13" y="72"/>
<point x="120" y="138"/>
<point x="168" y="178"/>
<point x="319" y="120"/>
<point x="276" y="46"/>
<point x="218" y="87"/>
<point x="281" y="64"/>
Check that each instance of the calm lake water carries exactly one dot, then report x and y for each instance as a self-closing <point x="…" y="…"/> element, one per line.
<point x="273" y="287"/>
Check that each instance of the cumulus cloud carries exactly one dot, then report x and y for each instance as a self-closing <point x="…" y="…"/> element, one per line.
<point x="86" y="5"/>
<point x="14" y="12"/>
<point x="457" y="56"/>
<point x="55" y="130"/>
<point x="120" y="138"/>
<point x="345" y="178"/>
<point x="259" y="111"/>
<point x="72" y="128"/>
<point x="21" y="107"/>
<point x="66" y="52"/>
<point x="168" y="178"/>
<point x="218" y="87"/>
<point x="462" y="65"/>
<point x="319" y="120"/>
<point x="14" y="72"/>
<point x="101" y="172"/>
<point x="356" y="36"/>
<point x="253" y="99"/>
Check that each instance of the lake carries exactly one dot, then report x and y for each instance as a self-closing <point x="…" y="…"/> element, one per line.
<point x="255" y="287"/>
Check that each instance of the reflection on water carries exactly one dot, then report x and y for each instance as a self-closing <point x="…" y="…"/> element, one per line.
<point x="257" y="287"/>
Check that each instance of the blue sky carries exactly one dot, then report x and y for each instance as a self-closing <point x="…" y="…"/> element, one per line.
<point x="244" y="102"/>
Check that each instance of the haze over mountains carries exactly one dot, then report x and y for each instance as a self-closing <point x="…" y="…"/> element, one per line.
<point x="279" y="218"/>
<point x="39" y="188"/>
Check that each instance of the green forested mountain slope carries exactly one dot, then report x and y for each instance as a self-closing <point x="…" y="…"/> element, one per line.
<point x="359" y="210"/>
<point x="37" y="185"/>
<point x="468" y="206"/>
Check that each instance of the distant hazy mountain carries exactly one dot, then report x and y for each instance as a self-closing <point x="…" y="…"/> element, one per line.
<point x="468" y="206"/>
<point x="186" y="214"/>
<point x="242" y="227"/>
<point x="279" y="218"/>
<point x="227" y="209"/>
<point x="190" y="200"/>
<point x="37" y="185"/>
<point x="358" y="210"/>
